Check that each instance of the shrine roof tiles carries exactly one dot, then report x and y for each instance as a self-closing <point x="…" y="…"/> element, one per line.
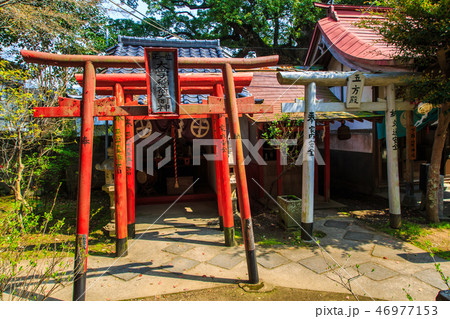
<point x="357" y="47"/>
<point x="134" y="46"/>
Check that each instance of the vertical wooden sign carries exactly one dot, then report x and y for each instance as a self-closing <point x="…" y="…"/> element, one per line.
<point x="163" y="94"/>
<point x="411" y="132"/>
<point x="355" y="87"/>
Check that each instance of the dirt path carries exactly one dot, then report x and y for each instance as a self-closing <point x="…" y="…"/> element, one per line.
<point x="235" y="293"/>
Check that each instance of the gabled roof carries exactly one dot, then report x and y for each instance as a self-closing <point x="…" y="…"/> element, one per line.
<point x="265" y="86"/>
<point x="134" y="46"/>
<point x="358" y="48"/>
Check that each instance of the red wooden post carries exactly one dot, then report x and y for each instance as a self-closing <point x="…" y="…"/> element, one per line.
<point x="120" y="178"/>
<point x="279" y="171"/>
<point x="218" y="167"/>
<point x="227" y="203"/>
<point x="84" y="183"/>
<point x="131" y="184"/>
<point x="241" y="179"/>
<point x="326" y="147"/>
<point x="261" y="167"/>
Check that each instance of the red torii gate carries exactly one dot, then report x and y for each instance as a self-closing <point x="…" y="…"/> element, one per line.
<point x="120" y="107"/>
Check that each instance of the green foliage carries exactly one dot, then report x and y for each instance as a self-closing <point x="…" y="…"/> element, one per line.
<point x="31" y="267"/>
<point x="410" y="298"/>
<point x="50" y="25"/>
<point x="445" y="279"/>
<point x="269" y="242"/>
<point x="27" y="143"/>
<point x="420" y="29"/>
<point x="264" y="26"/>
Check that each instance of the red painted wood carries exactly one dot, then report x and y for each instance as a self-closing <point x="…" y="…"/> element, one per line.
<point x="86" y="150"/>
<point x="69" y="60"/>
<point x="129" y="149"/>
<point x="140" y="90"/>
<point x="129" y="80"/>
<point x="120" y="178"/>
<point x="235" y="130"/>
<point x="218" y="164"/>
<point x="227" y="202"/>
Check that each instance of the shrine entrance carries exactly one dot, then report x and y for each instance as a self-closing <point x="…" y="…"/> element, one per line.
<point x="355" y="82"/>
<point x="163" y="86"/>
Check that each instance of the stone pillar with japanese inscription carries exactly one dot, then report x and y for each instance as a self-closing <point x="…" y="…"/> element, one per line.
<point x="309" y="147"/>
<point x="392" y="158"/>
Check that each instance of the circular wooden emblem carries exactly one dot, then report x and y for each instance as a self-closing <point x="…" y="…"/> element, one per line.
<point x="143" y="128"/>
<point x="141" y="177"/>
<point x="199" y="127"/>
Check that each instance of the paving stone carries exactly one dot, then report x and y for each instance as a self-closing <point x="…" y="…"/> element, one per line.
<point x="358" y="236"/>
<point x="178" y="249"/>
<point x="226" y="261"/>
<point x="388" y="253"/>
<point x="271" y="260"/>
<point x="431" y="277"/>
<point x="175" y="237"/>
<point x="419" y="258"/>
<point x="318" y="264"/>
<point x="295" y="254"/>
<point x="376" y="272"/>
<point x="180" y="265"/>
<point x="336" y="223"/>
<point x="128" y="271"/>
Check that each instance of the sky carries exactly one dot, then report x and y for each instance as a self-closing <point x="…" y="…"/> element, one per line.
<point x="116" y="13"/>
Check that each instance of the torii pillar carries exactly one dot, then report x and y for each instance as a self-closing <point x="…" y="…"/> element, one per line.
<point x="225" y="204"/>
<point x="329" y="79"/>
<point x="309" y="148"/>
<point x="241" y="178"/>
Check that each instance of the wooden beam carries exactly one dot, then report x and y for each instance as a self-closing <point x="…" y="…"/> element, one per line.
<point x="106" y="107"/>
<point x="299" y="107"/>
<point x="331" y="78"/>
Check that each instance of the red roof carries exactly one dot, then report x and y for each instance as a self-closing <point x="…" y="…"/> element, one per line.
<point x="361" y="48"/>
<point x="265" y="86"/>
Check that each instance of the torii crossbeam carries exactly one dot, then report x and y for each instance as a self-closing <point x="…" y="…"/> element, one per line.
<point x="311" y="105"/>
<point x="121" y="106"/>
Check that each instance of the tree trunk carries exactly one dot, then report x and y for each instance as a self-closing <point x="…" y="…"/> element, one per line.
<point x="276" y="33"/>
<point x="432" y="204"/>
<point x="20" y="167"/>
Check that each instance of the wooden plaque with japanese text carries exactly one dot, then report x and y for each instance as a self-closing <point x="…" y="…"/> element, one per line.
<point x="163" y="94"/>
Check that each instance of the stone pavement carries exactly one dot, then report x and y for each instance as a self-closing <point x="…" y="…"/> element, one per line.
<point x="183" y="251"/>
